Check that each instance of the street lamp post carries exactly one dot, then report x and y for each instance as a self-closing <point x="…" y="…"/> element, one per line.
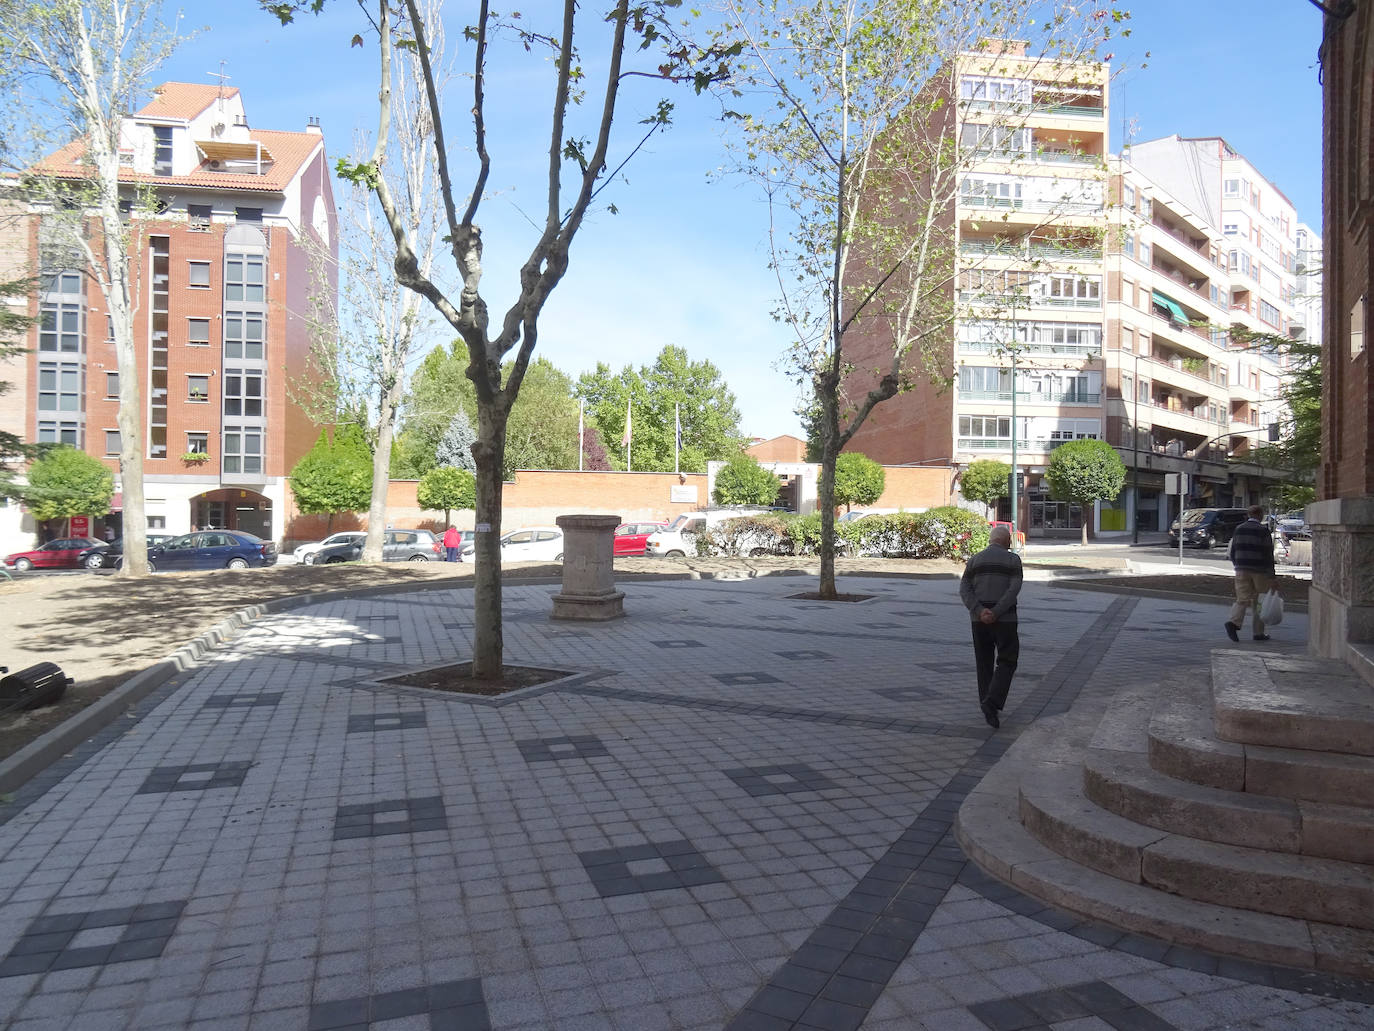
<point x="1135" y="455"/>
<point x="1014" y="510"/>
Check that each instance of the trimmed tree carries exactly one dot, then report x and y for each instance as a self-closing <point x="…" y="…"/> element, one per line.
<point x="447" y="488"/>
<point x="858" y="480"/>
<point x="742" y="481"/>
<point x="985" y="481"/>
<point x="334" y="476"/>
<point x="66" y="482"/>
<point x="1084" y="471"/>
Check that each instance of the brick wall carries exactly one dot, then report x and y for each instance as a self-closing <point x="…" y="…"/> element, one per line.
<point x="779" y="449"/>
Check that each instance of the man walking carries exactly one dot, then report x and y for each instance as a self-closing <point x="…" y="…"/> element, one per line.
<point x="990" y="584"/>
<point x="1252" y="555"/>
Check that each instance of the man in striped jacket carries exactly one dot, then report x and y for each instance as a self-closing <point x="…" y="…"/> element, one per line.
<point x="1252" y="554"/>
<point x="990" y="584"/>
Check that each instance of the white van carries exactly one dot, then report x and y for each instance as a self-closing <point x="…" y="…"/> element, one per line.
<point x="679" y="539"/>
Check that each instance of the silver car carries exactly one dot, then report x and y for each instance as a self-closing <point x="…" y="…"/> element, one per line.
<point x="397" y="546"/>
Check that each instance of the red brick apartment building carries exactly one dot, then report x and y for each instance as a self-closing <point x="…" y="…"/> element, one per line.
<point x="1341" y="602"/>
<point x="223" y="278"/>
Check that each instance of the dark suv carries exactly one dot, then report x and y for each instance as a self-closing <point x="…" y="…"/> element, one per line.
<point x="1208" y="527"/>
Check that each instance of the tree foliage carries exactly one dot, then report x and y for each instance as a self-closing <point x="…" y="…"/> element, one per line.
<point x="66" y="482"/>
<point x="1085" y="471"/>
<point x="455" y="446"/>
<point x="448" y="488"/>
<point x="858" y="480"/>
<point x="13" y="325"/>
<point x="849" y="127"/>
<point x="742" y="481"/>
<point x="673" y="388"/>
<point x="985" y="481"/>
<point x="335" y="475"/>
<point x="542" y="430"/>
<point x="594" y="457"/>
<point x="1298" y="449"/>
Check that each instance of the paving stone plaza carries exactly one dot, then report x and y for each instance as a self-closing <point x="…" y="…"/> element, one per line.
<point x="734" y="811"/>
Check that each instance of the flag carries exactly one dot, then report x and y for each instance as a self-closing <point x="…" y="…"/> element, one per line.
<point x="625" y="440"/>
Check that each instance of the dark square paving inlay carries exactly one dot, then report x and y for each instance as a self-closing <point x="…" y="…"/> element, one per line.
<point x="779" y="780"/>
<point x="1060" y="1005"/>
<point x="241" y="701"/>
<point x="805" y="653"/>
<point x="372" y="722"/>
<point x="195" y="777"/>
<point x="555" y="749"/>
<point x="678" y="644"/>
<point x="758" y="677"/>
<point x="906" y="692"/>
<point x="401" y="816"/>
<point x="655" y="866"/>
<point x="64" y="941"/>
<point x="452" y="1006"/>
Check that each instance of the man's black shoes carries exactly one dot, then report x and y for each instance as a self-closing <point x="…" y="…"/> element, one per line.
<point x="1261" y="637"/>
<point x="990" y="714"/>
<point x="1233" y="631"/>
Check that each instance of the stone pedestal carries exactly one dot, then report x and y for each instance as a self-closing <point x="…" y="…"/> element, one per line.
<point x="589" y="592"/>
<point x="1341" y="601"/>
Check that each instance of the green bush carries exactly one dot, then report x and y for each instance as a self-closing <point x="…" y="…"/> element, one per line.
<point x="947" y="532"/>
<point x="769" y="534"/>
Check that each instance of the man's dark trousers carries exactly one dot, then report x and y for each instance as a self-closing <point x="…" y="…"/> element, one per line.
<point x="996" y="647"/>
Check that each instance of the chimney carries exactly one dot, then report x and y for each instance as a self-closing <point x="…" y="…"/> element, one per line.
<point x="312" y="125"/>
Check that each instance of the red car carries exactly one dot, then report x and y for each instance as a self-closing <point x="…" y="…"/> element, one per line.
<point x="633" y="538"/>
<point x="63" y="553"/>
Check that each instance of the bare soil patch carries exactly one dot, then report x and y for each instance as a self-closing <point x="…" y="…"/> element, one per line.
<point x="458" y="679"/>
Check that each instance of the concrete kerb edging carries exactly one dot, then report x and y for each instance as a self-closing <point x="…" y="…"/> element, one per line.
<point x="1150" y="592"/>
<point x="40" y="753"/>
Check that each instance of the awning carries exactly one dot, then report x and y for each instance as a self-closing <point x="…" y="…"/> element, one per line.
<point x="1175" y="312"/>
<point x="226" y="150"/>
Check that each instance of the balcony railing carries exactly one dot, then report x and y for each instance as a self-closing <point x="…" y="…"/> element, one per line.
<point x="988" y="347"/>
<point x="1074" y="110"/>
<point x="1058" y="207"/>
<point x="1063" y="397"/>
<point x="1045" y="251"/>
<point x="978" y="297"/>
<point x="1004" y="444"/>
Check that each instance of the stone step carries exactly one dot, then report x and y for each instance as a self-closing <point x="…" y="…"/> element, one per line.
<point x="1182" y="745"/>
<point x="989" y="830"/>
<point x="1291" y="701"/>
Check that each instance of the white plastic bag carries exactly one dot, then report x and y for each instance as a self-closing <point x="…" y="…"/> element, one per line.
<point x="1271" y="609"/>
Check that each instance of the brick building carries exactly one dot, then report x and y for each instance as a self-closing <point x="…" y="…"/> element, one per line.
<point x="244" y="233"/>
<point x="1342" y="596"/>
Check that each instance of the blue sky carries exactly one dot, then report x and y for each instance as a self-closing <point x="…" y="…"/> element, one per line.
<point x="685" y="259"/>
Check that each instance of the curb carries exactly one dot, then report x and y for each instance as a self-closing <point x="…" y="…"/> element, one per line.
<point x="1152" y="592"/>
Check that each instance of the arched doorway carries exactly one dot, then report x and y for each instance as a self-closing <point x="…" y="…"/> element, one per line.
<point x="233" y="508"/>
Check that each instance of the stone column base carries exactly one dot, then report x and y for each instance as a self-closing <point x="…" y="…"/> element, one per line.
<point x="1341" y="601"/>
<point x="589" y="607"/>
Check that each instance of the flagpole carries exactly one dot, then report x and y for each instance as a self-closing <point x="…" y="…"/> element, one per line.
<point x="677" y="439"/>
<point x="581" y="404"/>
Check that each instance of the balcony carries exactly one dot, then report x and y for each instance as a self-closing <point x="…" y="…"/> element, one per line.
<point x="1059" y="350"/>
<point x="1017" y="251"/>
<point x="1175" y="374"/>
<point x="1070" y="397"/>
<point x="992" y="300"/>
<point x="1057" y="207"/>
<point x="1072" y="110"/>
<point x="1183" y="421"/>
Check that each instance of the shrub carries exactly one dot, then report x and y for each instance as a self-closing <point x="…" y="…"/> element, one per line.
<point x="749" y="535"/>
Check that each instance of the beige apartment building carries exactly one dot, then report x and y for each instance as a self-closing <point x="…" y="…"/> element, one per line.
<point x="1091" y="303"/>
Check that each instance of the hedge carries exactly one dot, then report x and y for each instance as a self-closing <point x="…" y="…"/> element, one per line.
<point x="946" y="532"/>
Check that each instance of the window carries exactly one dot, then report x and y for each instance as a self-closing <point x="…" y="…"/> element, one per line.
<point x="197" y="443"/>
<point x="59" y="327"/>
<point x="198" y="215"/>
<point x="1076" y="288"/>
<point x="242" y="335"/>
<point x="198" y="332"/>
<point x="994" y="91"/>
<point x="198" y="274"/>
<point x="1128" y="291"/>
<point x="1357" y="329"/>
<point x="243" y="393"/>
<point x="990" y="193"/>
<point x="1147" y="207"/>
<point x="1269" y="313"/>
<point x="242" y="449"/>
<point x="1127" y="339"/>
<point x="1128" y="196"/>
<point x="1230" y="229"/>
<point x="59" y="387"/>
<point x="55" y="431"/>
<point x="985" y="426"/>
<point x="1128" y="244"/>
<point x="112" y="384"/>
<point x="243" y="277"/>
<point x="162" y="150"/>
<point x="995" y="140"/>
<point x="979" y="379"/>
<point x="1144" y="253"/>
<point x="112" y="446"/>
<point x="197" y="388"/>
<point x="248" y="214"/>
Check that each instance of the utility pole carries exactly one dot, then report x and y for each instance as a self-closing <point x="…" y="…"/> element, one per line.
<point x="1135" y="455"/>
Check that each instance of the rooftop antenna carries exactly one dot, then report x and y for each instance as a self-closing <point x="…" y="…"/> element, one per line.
<point x="221" y="76"/>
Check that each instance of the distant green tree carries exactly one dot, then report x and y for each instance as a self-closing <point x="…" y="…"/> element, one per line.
<point x="542" y="430"/>
<point x="455" y="446"/>
<point x="743" y="481"/>
<point x="985" y="481"/>
<point x="1298" y="450"/>
<point x="66" y="482"/>
<point x="447" y="488"/>
<point x="1085" y="471"/>
<point x="335" y="475"/>
<point x="858" y="480"/>
<point x="439" y="390"/>
<point x="13" y="325"/>
<point x="673" y="387"/>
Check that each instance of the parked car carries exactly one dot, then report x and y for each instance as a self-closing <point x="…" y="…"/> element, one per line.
<point x="397" y="546"/>
<point x="1294" y="526"/>
<point x="678" y="538"/>
<point x="303" y="553"/>
<point x="632" y="538"/>
<point x="1207" y="527"/>
<point x="211" y="549"/>
<point x="528" y="544"/>
<point x="63" y="553"/>
<point x="104" y="556"/>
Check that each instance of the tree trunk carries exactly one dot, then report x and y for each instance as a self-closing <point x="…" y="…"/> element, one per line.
<point x="1085" y="512"/>
<point x="825" y="500"/>
<point x="489" y="452"/>
<point x="129" y="417"/>
<point x="381" y="462"/>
